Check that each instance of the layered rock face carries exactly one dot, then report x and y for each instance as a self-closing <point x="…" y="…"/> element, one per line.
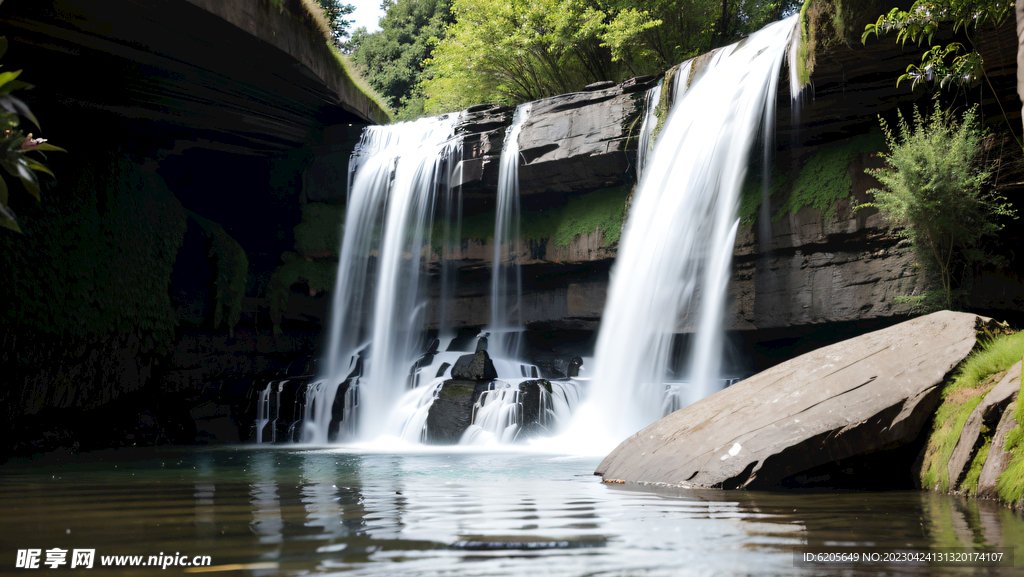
<point x="872" y="393"/>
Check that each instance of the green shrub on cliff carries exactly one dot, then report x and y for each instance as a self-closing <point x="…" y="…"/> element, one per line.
<point x="602" y="210"/>
<point x="934" y="193"/>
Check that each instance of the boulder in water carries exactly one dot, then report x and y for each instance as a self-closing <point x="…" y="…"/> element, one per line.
<point x="861" y="396"/>
<point x="452" y="411"/>
<point x="475" y="367"/>
<point x="530" y="395"/>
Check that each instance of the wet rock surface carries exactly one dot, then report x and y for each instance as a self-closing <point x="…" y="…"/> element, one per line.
<point x="871" y="393"/>
<point x="475" y="367"/>
<point x="452" y="411"/>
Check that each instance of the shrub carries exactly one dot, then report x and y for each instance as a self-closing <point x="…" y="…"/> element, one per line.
<point x="934" y="192"/>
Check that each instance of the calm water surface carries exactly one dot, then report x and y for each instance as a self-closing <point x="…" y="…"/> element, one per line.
<point x="267" y="511"/>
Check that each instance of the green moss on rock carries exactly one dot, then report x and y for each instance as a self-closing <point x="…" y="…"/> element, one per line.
<point x="96" y="257"/>
<point x="825" y="178"/>
<point x="319" y="233"/>
<point x="585" y="214"/>
<point x="317" y="276"/>
<point x="232" y="266"/>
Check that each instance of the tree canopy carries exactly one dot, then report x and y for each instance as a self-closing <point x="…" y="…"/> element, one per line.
<point x="392" y="58"/>
<point x="434" y="56"/>
<point x="518" y="50"/>
<point x="335" y="13"/>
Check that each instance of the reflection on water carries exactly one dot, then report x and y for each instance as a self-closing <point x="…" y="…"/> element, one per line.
<point x="293" y="511"/>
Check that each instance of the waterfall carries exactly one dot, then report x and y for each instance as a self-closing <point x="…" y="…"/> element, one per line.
<point x="679" y="237"/>
<point x="506" y="276"/>
<point x="394" y="175"/>
<point x="646" y="142"/>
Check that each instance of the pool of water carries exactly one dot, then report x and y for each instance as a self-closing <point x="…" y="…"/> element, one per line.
<point x="281" y="510"/>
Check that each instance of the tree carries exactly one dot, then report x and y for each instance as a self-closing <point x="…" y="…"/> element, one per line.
<point x="934" y="189"/>
<point x="392" y="58"/>
<point x="949" y="64"/>
<point x="15" y="144"/>
<point x="512" y="51"/>
<point x="335" y="13"/>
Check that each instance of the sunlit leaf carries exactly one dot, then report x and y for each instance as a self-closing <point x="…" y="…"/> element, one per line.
<point x="6" y="77"/>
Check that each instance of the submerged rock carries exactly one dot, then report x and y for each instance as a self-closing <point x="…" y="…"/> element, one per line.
<point x="475" y="367"/>
<point x="867" y="394"/>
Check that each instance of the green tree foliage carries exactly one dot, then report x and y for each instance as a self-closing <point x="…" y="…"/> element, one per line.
<point x="15" y="144"/>
<point x="336" y="15"/>
<point x="392" y="58"/>
<point x="514" y="51"/>
<point x="950" y="63"/>
<point x="934" y="189"/>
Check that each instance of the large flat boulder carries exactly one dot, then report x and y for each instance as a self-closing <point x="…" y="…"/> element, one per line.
<point x="867" y="394"/>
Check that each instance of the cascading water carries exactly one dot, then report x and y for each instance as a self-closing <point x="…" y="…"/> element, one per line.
<point x="678" y="239"/>
<point x="395" y="173"/>
<point x="679" y="236"/>
<point x="506" y="276"/>
<point x="646" y="142"/>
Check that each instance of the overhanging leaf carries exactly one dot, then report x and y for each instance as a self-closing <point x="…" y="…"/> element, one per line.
<point x="6" y="77"/>
<point x="38" y="166"/>
<point x="49" y="148"/>
<point x="14" y="104"/>
<point x="28" y="178"/>
<point x="14" y="85"/>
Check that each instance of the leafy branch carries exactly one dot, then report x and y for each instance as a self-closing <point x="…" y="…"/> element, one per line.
<point x="15" y="144"/>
